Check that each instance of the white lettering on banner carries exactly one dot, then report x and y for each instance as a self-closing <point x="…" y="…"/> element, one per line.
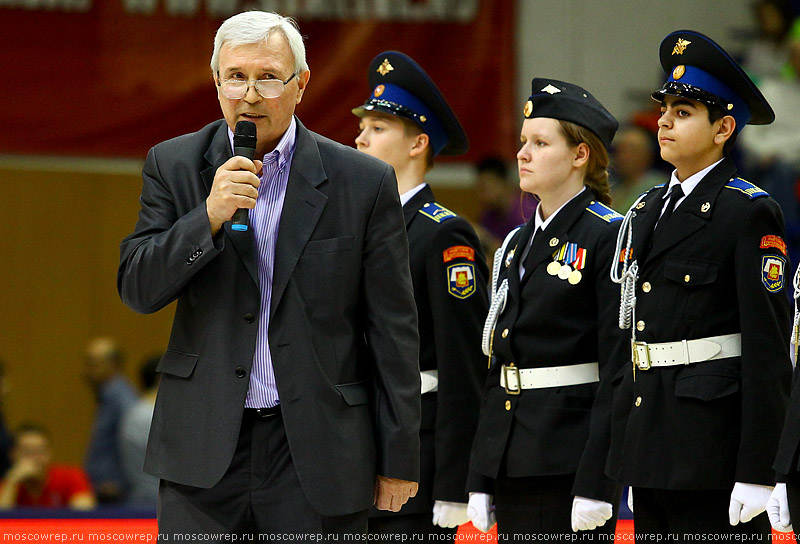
<point x="459" y="11"/>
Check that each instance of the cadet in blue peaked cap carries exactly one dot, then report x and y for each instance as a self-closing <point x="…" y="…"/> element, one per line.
<point x="406" y="122"/>
<point x="697" y="417"/>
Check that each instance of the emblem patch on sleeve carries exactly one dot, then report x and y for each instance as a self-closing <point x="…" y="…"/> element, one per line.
<point x="461" y="280"/>
<point x="772" y="270"/>
<point x="772" y="240"/>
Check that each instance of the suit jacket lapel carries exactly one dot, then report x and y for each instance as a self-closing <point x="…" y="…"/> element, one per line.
<point x="218" y="152"/>
<point x="302" y="208"/>
<point x="694" y="212"/>
<point x="523" y="237"/>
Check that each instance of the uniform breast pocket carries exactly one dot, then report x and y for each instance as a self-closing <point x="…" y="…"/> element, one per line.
<point x="687" y="287"/>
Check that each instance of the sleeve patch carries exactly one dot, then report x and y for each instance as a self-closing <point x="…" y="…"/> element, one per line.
<point x="461" y="280"/>
<point x="772" y="271"/>
<point x="603" y="212"/>
<point x="743" y="186"/>
<point x="436" y="212"/>
<point x="772" y="240"/>
<point x="458" y="252"/>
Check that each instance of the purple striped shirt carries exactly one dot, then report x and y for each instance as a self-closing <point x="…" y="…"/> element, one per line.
<point x="264" y="220"/>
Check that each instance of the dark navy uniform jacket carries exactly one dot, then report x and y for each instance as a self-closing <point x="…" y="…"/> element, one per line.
<point x="450" y="278"/>
<point x="719" y="267"/>
<point x="549" y="321"/>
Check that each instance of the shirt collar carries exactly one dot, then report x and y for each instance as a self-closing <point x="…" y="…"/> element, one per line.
<point x="284" y="148"/>
<point x="408" y="195"/>
<point x="541" y="224"/>
<point x="691" y="182"/>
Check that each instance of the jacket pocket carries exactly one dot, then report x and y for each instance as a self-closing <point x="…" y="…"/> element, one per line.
<point x="709" y="380"/>
<point x="177" y="364"/>
<point x="329" y="245"/>
<point x="355" y="393"/>
<point x="688" y="286"/>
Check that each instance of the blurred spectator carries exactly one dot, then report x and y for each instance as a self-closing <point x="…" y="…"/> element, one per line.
<point x="34" y="481"/>
<point x="502" y="206"/>
<point x="114" y="395"/>
<point x="633" y="156"/>
<point x="771" y="153"/>
<point x="6" y="440"/>
<point x="766" y="57"/>
<point x="133" y="432"/>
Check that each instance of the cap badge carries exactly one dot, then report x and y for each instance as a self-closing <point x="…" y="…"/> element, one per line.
<point x="379" y="90"/>
<point x="551" y="89"/>
<point x="680" y="46"/>
<point x="678" y="72"/>
<point x="385" y="67"/>
<point x="528" y="110"/>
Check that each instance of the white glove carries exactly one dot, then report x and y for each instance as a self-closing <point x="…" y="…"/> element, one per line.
<point x="778" y="509"/>
<point x="630" y="499"/>
<point x="588" y="514"/>
<point x="747" y="501"/>
<point x="449" y="514"/>
<point x="481" y="511"/>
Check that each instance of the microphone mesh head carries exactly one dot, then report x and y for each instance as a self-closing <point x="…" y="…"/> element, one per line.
<point x="244" y="135"/>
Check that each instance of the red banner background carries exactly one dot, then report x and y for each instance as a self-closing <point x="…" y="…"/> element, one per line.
<point x="111" y="83"/>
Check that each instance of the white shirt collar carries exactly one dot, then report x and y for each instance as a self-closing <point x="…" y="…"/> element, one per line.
<point x="691" y="182"/>
<point x="541" y="224"/>
<point x="408" y="195"/>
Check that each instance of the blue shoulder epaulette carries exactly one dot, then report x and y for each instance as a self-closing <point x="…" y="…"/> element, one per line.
<point x="603" y="212"/>
<point x="752" y="191"/>
<point x="436" y="212"/>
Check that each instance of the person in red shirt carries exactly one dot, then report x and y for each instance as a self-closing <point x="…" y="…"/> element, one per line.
<point x="33" y="481"/>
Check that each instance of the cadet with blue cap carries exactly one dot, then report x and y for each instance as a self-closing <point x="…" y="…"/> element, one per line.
<point x="407" y="122"/>
<point x="551" y="334"/>
<point x="703" y="264"/>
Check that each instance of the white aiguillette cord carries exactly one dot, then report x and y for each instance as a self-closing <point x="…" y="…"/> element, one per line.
<point x="499" y="297"/>
<point x="629" y="273"/>
<point x="796" y="325"/>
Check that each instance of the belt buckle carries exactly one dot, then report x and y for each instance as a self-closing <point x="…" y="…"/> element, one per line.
<point x="505" y="379"/>
<point x="642" y="363"/>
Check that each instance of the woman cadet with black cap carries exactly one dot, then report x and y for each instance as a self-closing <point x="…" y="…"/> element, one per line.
<point x="552" y="334"/>
<point x="696" y="418"/>
<point x="406" y="122"/>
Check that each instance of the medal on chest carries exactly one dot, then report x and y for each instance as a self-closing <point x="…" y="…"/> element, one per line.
<point x="568" y="261"/>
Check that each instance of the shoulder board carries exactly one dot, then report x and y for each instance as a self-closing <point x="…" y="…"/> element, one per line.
<point x="603" y="212"/>
<point x="744" y="186"/>
<point x="436" y="212"/>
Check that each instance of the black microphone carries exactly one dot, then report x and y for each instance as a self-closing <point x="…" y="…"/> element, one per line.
<point x="244" y="145"/>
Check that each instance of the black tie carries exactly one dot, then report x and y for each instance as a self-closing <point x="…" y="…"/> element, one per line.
<point x="675" y="194"/>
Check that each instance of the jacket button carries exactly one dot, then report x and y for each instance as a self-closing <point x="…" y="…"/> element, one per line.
<point x="508" y="405"/>
<point x="638" y="401"/>
<point x="687" y="278"/>
<point x="640" y="326"/>
<point x="240" y="372"/>
<point x="505" y="333"/>
<point x="249" y="318"/>
<point x="646" y="287"/>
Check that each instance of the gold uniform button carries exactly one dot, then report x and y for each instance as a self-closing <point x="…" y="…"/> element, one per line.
<point x="508" y="405"/>
<point x="505" y="333"/>
<point x="640" y="326"/>
<point x="646" y="287"/>
<point x="638" y="401"/>
<point x="687" y="278"/>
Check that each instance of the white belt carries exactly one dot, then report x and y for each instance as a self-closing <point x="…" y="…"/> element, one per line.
<point x="514" y="379"/>
<point x="684" y="352"/>
<point x="430" y="380"/>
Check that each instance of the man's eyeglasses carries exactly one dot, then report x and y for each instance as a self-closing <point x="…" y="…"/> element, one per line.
<point x="235" y="89"/>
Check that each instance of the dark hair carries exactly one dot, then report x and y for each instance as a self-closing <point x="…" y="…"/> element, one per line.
<point x="29" y="427"/>
<point x="715" y="113"/>
<point x="412" y="129"/>
<point x="596" y="177"/>
<point x="494" y="165"/>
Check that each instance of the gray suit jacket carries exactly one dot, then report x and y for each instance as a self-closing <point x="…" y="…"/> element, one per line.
<point x="343" y="328"/>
